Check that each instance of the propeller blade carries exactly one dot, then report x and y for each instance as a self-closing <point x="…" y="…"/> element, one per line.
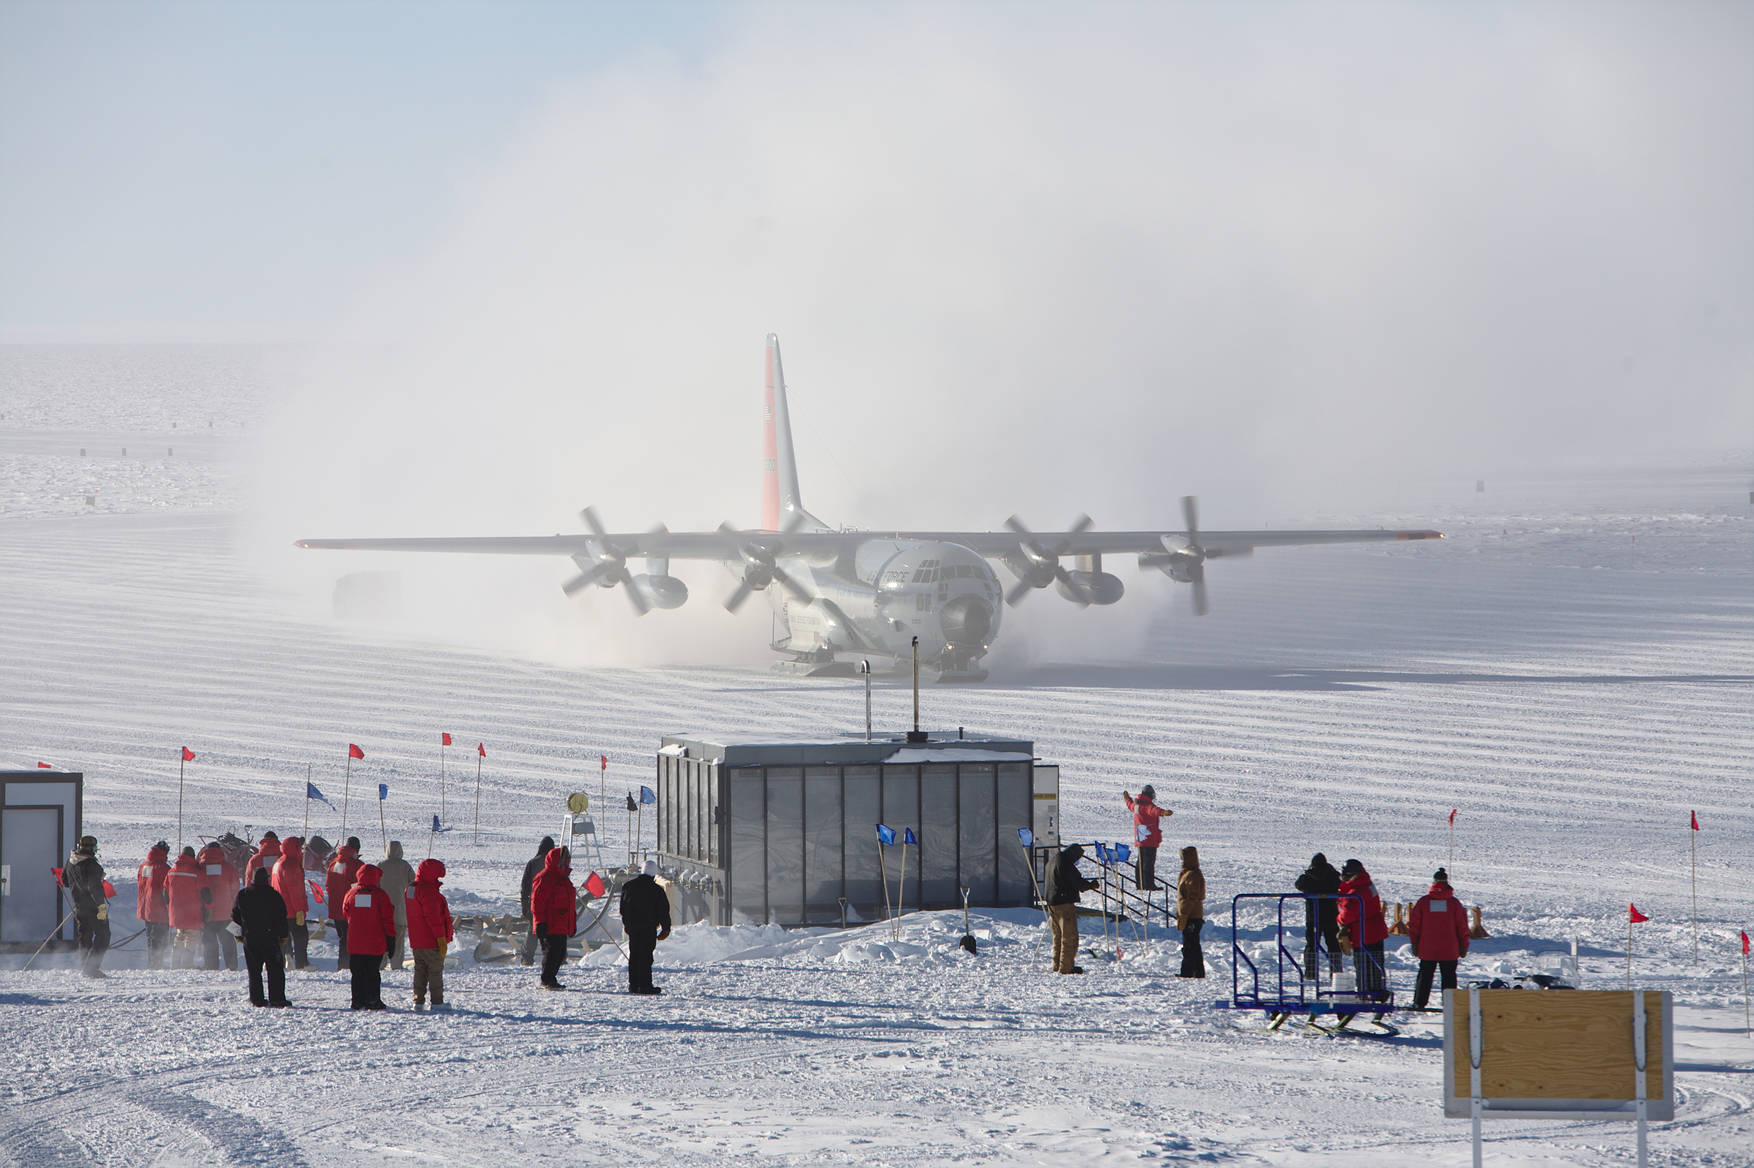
<point x="736" y="599"/>
<point x="640" y="605"/>
<point x="1191" y="515"/>
<point x="577" y="584"/>
<point x="589" y="515"/>
<point x="1018" y="591"/>
<point x="790" y="585"/>
<point x="1073" y="586"/>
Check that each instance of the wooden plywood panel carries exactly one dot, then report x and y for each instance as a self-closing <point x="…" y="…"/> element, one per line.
<point x="1557" y="1045"/>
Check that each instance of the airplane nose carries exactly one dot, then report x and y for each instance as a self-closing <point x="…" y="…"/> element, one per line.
<point x="966" y="621"/>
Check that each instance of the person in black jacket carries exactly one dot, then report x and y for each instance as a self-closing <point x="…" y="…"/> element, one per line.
<point x="1320" y="879"/>
<point x="533" y="869"/>
<point x="83" y="877"/>
<point x="645" y="916"/>
<point x="260" y="912"/>
<point x="1065" y="883"/>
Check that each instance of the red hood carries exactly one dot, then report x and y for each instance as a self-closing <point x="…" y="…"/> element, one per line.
<point x="1440" y="888"/>
<point x="268" y="848"/>
<point x="187" y="864"/>
<point x="346" y="853"/>
<point x="556" y="863"/>
<point x="290" y="850"/>
<point x="431" y="871"/>
<point x="212" y="854"/>
<point x="368" y="875"/>
<point x="158" y="855"/>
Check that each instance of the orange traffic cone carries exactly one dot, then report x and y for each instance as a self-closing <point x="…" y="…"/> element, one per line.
<point x="1478" y="930"/>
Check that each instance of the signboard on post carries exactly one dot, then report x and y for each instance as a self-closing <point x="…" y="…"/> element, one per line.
<point x="1558" y="1054"/>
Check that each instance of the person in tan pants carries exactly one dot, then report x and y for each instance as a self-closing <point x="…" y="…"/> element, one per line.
<point x="429" y="932"/>
<point x="1064" y="885"/>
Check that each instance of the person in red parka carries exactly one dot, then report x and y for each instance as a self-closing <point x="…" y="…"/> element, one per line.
<point x="219" y="881"/>
<point x="554" y="912"/>
<point x="371" y="927"/>
<point x="343" y="873"/>
<point x="289" y="882"/>
<point x="1146" y="832"/>
<point x="153" y="904"/>
<point x="429" y="932"/>
<point x="1363" y="928"/>
<point x="184" y="887"/>
<point x="1438" y="929"/>
<point x="267" y="855"/>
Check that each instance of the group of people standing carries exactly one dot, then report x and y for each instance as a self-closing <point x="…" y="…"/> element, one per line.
<point x="549" y="901"/>
<point x="1065" y="883"/>
<point x="1346" y="913"/>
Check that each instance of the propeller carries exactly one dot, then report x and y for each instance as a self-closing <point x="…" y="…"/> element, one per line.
<point x="761" y="563"/>
<point x="1197" y="569"/>
<point x="1046" y="562"/>
<point x="608" y="566"/>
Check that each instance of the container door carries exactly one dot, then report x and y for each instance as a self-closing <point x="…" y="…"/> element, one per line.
<point x="1047" y="807"/>
<point x="30" y="839"/>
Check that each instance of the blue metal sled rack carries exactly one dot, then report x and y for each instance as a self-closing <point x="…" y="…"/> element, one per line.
<point x="1293" y="988"/>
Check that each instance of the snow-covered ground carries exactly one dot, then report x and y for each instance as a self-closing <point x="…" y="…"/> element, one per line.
<point x="1573" y="669"/>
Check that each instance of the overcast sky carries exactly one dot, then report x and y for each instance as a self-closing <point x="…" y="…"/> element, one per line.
<point x="1133" y="250"/>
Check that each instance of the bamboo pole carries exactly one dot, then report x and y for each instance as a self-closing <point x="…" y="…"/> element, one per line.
<point x="1693" y="865"/>
<point x="441" y="777"/>
<point x="180" y="801"/>
<point x="383" y="832"/>
<point x="901" y="891"/>
<point x="478" y="797"/>
<point x="883" y="877"/>
<point x="346" y="788"/>
<point x="308" y="801"/>
<point x="1628" y="950"/>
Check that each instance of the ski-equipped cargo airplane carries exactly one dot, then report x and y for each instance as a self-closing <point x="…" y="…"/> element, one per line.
<point x="844" y="595"/>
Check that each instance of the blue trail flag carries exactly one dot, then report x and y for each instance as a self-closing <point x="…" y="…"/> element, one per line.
<point x="311" y="792"/>
<point x="1101" y="852"/>
<point x="885" y="835"/>
<point x="908" y="837"/>
<point x="383" y="791"/>
<point x="1122" y="852"/>
<point x="435" y="825"/>
<point x="1027" y="836"/>
<point x="647" y="795"/>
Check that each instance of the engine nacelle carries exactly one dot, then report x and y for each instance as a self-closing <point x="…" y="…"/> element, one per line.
<point x="1039" y="573"/>
<point x="1181" y="566"/>
<point x="661" y="591"/>
<point x="1099" y="587"/>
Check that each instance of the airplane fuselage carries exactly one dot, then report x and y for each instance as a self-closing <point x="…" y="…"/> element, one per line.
<point x="876" y="600"/>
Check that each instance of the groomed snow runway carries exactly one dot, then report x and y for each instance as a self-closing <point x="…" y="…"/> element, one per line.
<point x="1573" y="669"/>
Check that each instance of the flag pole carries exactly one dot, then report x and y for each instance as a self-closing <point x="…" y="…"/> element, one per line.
<point x="478" y="757"/>
<point x="179" y="811"/>
<point x="383" y="832"/>
<point x="1628" y="950"/>
<point x="1452" y="841"/>
<point x="1747" y="1023"/>
<point x="883" y="876"/>
<point x="346" y="786"/>
<point x="1693" y="865"/>
<point x="307" y="834"/>
<point x="901" y="890"/>
<point x="441" y="786"/>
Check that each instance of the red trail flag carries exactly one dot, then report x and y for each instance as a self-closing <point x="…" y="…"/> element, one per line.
<point x="188" y="755"/>
<point x="1695" y="816"/>
<point x="594" y="885"/>
<point x="1452" y="816"/>
<point x="44" y="766"/>
<point x="444" y="739"/>
<point x="1634" y="915"/>
<point x="354" y="751"/>
<point x="1744" y="942"/>
<point x="481" y="749"/>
